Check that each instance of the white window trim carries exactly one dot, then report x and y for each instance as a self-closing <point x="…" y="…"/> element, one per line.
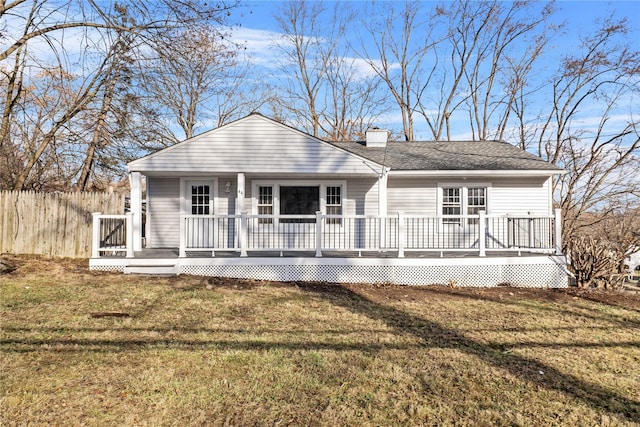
<point x="464" y="186"/>
<point x="276" y="184"/>
<point x="184" y="193"/>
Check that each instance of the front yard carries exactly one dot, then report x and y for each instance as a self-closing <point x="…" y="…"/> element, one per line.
<point x="83" y="348"/>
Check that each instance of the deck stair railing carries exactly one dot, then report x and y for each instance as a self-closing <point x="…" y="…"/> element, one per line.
<point x="112" y="234"/>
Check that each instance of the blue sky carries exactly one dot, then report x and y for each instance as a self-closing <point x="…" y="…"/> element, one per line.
<point x="258" y="27"/>
<point x="578" y="14"/>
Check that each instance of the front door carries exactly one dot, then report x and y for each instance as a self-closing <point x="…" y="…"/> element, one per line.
<point x="200" y="226"/>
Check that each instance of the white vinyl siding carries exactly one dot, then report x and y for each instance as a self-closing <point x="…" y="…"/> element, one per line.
<point x="412" y="196"/>
<point x="226" y="202"/>
<point x="521" y="196"/>
<point x="362" y="198"/>
<point x="506" y="195"/>
<point x="250" y="145"/>
<point x="163" y="212"/>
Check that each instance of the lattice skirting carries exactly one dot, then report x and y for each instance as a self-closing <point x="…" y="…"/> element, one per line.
<point x="546" y="272"/>
<point x="114" y="268"/>
<point x="535" y="271"/>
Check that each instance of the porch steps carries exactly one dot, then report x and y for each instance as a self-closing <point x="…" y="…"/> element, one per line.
<point x="163" y="269"/>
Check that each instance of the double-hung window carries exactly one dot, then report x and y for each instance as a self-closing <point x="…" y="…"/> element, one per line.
<point x="476" y="202"/>
<point x="333" y="202"/>
<point x="451" y="204"/>
<point x="265" y="203"/>
<point x="462" y="200"/>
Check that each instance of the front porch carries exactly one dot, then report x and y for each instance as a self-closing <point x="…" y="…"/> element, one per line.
<point x="472" y="250"/>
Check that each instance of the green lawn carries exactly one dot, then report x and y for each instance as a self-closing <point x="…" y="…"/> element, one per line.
<point x="204" y="351"/>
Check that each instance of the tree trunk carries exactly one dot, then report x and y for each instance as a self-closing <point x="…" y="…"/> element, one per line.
<point x="107" y="99"/>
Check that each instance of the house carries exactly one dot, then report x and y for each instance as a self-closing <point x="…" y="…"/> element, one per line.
<point x="632" y="262"/>
<point x="258" y="199"/>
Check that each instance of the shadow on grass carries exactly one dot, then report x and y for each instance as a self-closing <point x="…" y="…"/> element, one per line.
<point x="553" y="296"/>
<point x="435" y="335"/>
<point x="428" y="334"/>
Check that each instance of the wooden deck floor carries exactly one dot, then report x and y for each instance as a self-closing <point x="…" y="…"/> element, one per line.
<point x="171" y="253"/>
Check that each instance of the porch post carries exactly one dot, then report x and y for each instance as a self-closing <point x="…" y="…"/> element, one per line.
<point x="558" y="231"/>
<point x="240" y="193"/>
<point x="243" y="234"/>
<point x="135" y="182"/>
<point x="95" y="239"/>
<point x="482" y="233"/>
<point x="240" y="185"/>
<point x="318" y="234"/>
<point x="382" y="206"/>
<point x="129" y="234"/>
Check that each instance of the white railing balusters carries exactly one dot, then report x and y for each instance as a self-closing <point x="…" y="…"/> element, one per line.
<point x="342" y="233"/>
<point x="482" y="235"/>
<point x="401" y="234"/>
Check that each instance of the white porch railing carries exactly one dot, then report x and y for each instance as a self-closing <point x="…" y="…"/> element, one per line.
<point x="113" y="234"/>
<point x="357" y="233"/>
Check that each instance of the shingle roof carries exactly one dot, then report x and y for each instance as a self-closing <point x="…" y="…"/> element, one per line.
<point x="449" y="155"/>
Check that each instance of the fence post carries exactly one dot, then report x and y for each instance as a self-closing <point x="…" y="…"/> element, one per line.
<point x="558" y="231"/>
<point x="129" y="234"/>
<point x="183" y="236"/>
<point x="243" y="234"/>
<point x="95" y="240"/>
<point x="318" y="234"/>
<point x="401" y="232"/>
<point x="482" y="233"/>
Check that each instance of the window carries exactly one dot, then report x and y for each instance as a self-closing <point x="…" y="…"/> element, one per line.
<point x="298" y="198"/>
<point x="476" y="202"/>
<point x="265" y="204"/>
<point x="333" y="203"/>
<point x="460" y="200"/>
<point x="200" y="195"/>
<point x="299" y="201"/>
<point x="451" y="204"/>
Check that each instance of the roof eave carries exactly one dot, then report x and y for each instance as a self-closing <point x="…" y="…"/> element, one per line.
<point x="472" y="173"/>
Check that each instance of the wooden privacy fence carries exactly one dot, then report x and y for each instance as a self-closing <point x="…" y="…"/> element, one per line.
<point x="52" y="224"/>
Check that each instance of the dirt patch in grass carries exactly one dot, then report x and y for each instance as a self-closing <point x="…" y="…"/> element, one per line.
<point x="211" y="351"/>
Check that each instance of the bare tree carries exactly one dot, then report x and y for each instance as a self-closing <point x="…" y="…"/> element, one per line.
<point x="598" y="259"/>
<point x="304" y="60"/>
<point x="192" y="67"/>
<point x="44" y="139"/>
<point x="37" y="40"/>
<point x="353" y="102"/>
<point x="324" y="87"/>
<point x="592" y="129"/>
<point x="491" y="49"/>
<point x="500" y="69"/>
<point x="399" y="61"/>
